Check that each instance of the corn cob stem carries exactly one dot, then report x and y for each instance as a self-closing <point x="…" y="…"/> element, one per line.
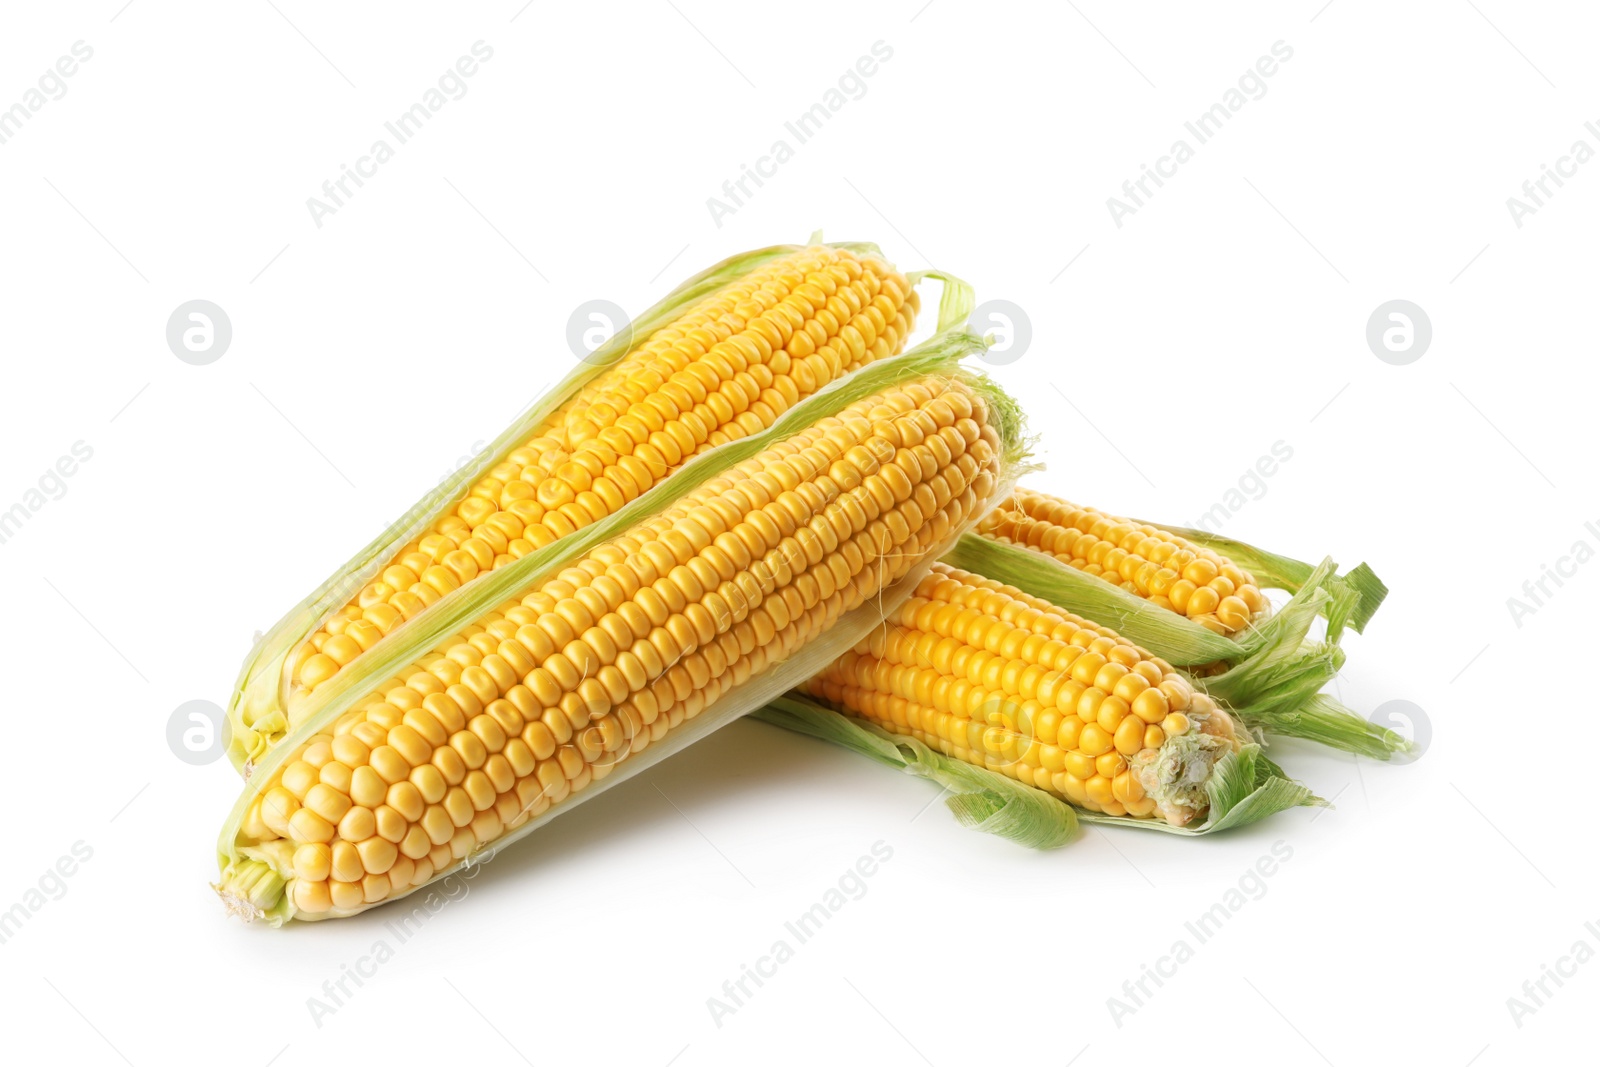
<point x="249" y="888"/>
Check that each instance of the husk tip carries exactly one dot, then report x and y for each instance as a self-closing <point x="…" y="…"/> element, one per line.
<point x="1370" y="592"/>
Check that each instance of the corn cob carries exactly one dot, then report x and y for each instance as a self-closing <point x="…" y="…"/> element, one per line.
<point x="1171" y="572"/>
<point x="1032" y="716"/>
<point x="987" y="674"/>
<point x="741" y="345"/>
<point x="718" y="575"/>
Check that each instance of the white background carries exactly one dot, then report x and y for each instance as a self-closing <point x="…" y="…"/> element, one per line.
<point x="369" y="356"/>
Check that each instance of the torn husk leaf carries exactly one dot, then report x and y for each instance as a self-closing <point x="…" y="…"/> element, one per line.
<point x="955" y="301"/>
<point x="1320" y="718"/>
<point x="1356" y="595"/>
<point x="979" y="799"/>
<point x="1279" y="691"/>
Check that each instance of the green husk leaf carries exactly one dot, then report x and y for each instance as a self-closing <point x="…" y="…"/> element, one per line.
<point x="1244" y="786"/>
<point x="1281" y="646"/>
<point x="1164" y="633"/>
<point x="1263" y="687"/>
<point x="1356" y="595"/>
<point x="1320" y="718"/>
<point x="980" y="800"/>
<point x="1276" y="672"/>
<point x="938" y="356"/>
<point x="955" y="301"/>
<point x="1143" y="623"/>
<point x="1370" y="593"/>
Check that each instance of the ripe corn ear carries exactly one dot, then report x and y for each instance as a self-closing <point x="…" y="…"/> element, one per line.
<point x="722" y="358"/>
<point x="1032" y="717"/>
<point x="987" y="674"/>
<point x="495" y="712"/>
